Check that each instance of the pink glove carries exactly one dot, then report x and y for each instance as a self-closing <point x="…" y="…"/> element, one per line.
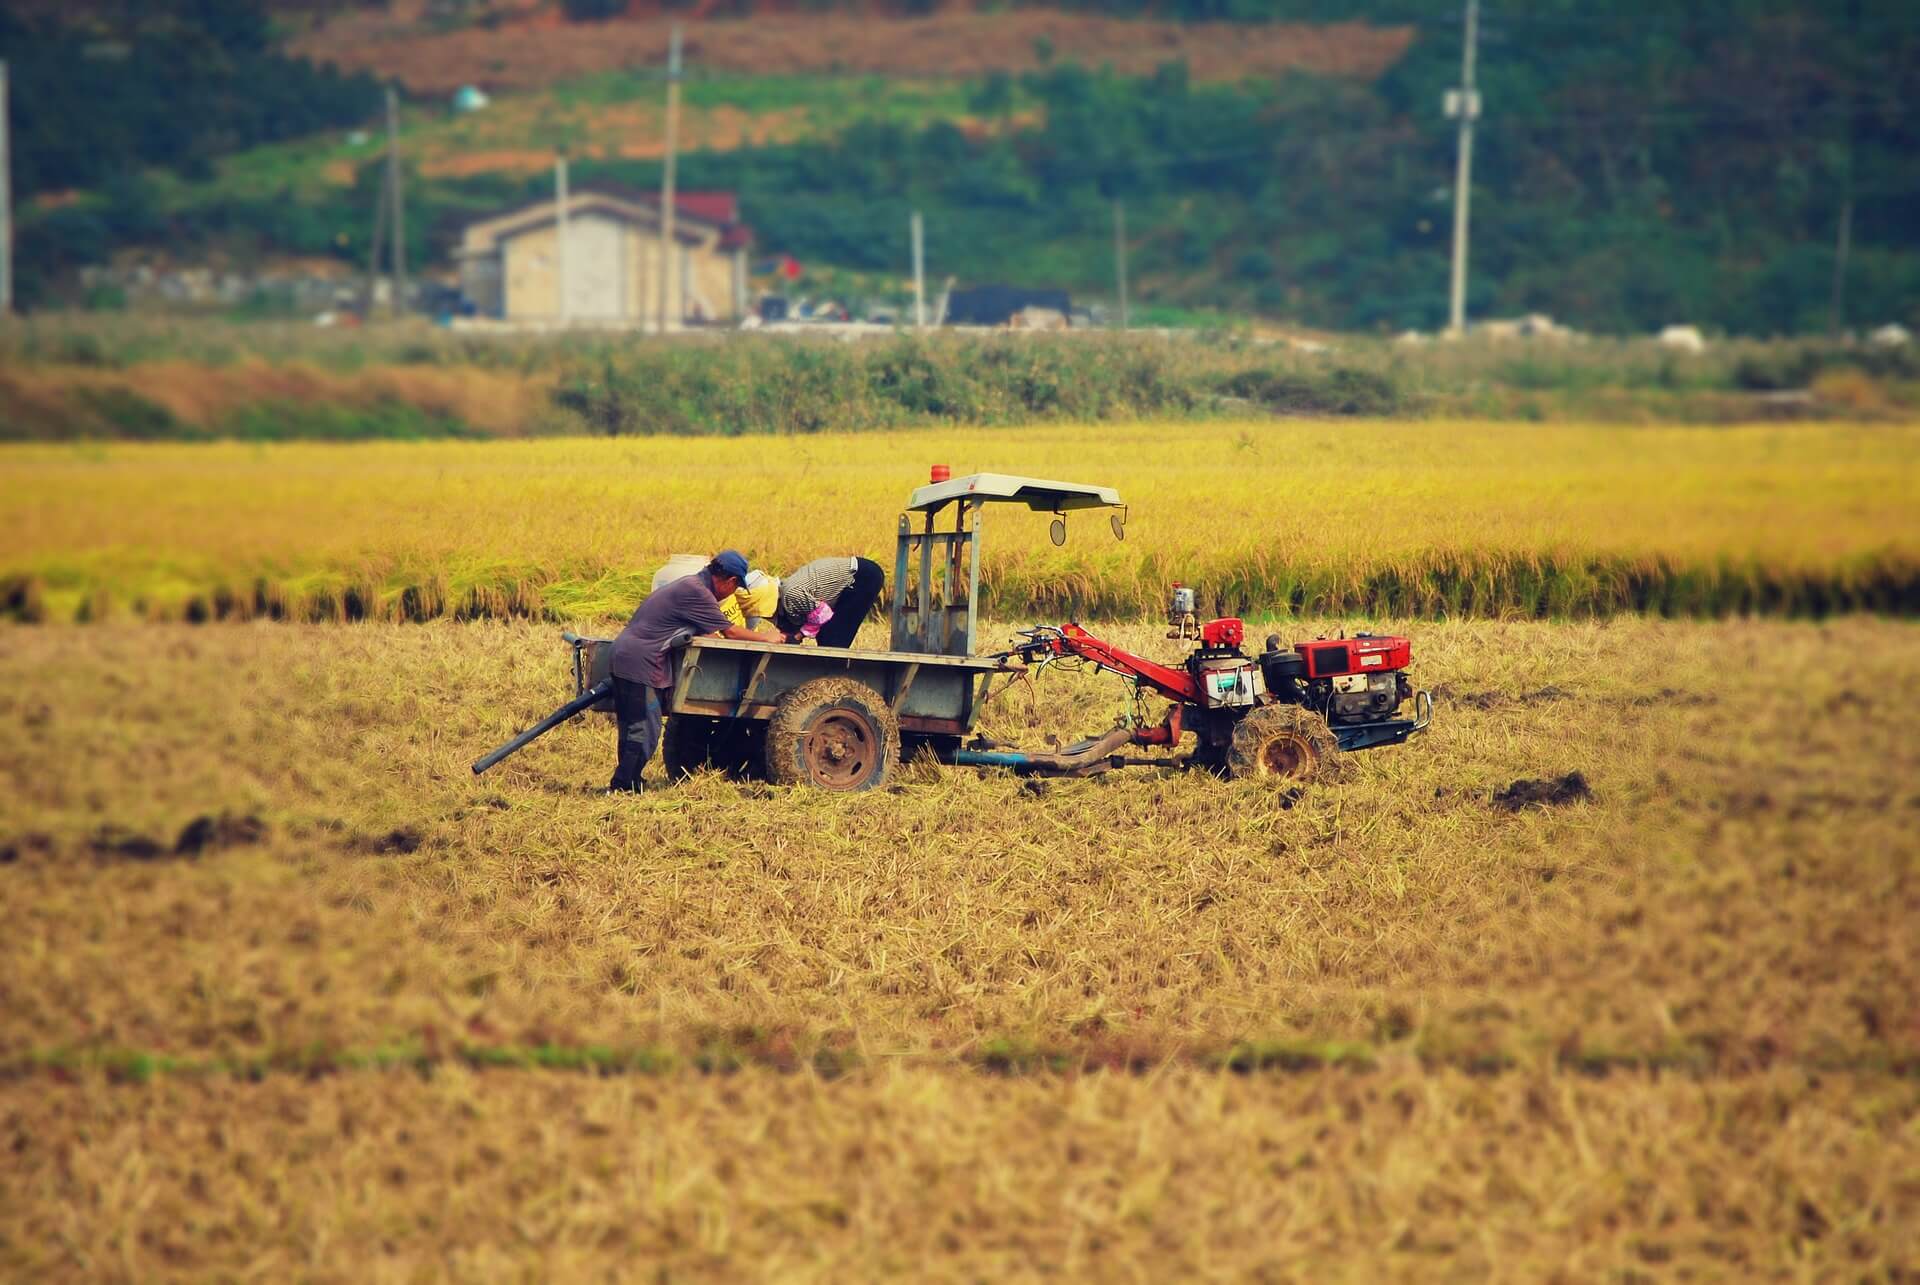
<point x="820" y="615"/>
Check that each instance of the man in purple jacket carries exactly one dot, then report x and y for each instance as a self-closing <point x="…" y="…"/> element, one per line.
<point x="642" y="664"/>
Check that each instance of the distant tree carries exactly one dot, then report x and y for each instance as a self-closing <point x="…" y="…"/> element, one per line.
<point x="594" y="10"/>
<point x="1254" y="265"/>
<point x="173" y="84"/>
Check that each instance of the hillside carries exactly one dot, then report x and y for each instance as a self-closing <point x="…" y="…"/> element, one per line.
<point x="539" y="49"/>
<point x="608" y="116"/>
<point x="1635" y="168"/>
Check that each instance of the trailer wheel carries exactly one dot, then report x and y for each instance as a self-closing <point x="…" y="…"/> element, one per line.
<point x="690" y="742"/>
<point x="684" y="744"/>
<point x="1285" y="742"/>
<point x="835" y="733"/>
<point x="738" y="748"/>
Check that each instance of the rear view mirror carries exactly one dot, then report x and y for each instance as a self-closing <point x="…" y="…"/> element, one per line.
<point x="1119" y="525"/>
<point x="1058" y="531"/>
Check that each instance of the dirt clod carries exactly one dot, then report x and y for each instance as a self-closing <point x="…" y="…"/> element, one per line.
<point x="1671" y="696"/>
<point x="223" y="831"/>
<point x="111" y="842"/>
<point x="1552" y="792"/>
<point x="1501" y="700"/>
<point x="33" y="844"/>
<point x="397" y="841"/>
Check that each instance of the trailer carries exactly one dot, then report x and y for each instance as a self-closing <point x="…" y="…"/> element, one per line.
<point x="843" y="719"/>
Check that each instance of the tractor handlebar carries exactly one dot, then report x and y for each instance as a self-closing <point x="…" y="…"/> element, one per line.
<point x="1040" y="642"/>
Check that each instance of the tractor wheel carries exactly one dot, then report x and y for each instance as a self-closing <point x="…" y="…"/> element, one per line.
<point x="835" y="733"/>
<point x="684" y="744"/>
<point x="1285" y="742"/>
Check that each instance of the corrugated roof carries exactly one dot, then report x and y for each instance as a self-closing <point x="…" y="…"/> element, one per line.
<point x="714" y="209"/>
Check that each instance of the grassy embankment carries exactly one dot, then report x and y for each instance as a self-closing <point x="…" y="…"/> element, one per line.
<point x="963" y="1026"/>
<point x="1268" y="518"/>
<point x="79" y="377"/>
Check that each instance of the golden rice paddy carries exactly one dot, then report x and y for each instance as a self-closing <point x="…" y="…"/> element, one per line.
<point x="1439" y="518"/>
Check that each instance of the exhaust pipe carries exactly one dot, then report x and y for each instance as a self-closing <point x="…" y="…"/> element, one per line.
<point x="585" y="700"/>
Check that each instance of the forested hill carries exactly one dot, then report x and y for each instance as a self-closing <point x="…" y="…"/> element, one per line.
<point x="1638" y="163"/>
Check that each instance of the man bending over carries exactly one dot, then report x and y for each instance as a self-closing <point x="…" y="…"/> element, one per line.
<point x="849" y="587"/>
<point x="642" y="666"/>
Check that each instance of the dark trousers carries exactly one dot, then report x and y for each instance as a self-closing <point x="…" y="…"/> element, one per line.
<point x="637" y="709"/>
<point x="853" y="604"/>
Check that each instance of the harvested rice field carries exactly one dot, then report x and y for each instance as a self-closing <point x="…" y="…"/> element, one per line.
<point x="285" y="991"/>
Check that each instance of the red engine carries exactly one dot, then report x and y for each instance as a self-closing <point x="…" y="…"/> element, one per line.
<point x="1330" y="657"/>
<point x="1361" y="679"/>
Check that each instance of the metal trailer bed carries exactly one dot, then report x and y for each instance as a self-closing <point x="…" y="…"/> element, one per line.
<point x="927" y="695"/>
<point x="841" y="718"/>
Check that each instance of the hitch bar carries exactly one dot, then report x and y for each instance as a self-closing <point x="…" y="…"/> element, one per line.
<point x="1090" y="755"/>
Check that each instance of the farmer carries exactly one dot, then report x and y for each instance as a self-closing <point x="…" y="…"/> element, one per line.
<point x="752" y="604"/>
<point x="848" y="587"/>
<point x="755" y="603"/>
<point x="642" y="672"/>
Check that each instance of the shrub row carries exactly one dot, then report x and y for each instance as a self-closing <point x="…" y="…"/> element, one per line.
<point x="1490" y="588"/>
<point x="804" y="386"/>
<point x="744" y="384"/>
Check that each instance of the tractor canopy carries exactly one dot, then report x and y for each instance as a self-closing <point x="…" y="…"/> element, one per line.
<point x="1036" y="493"/>
<point x="936" y="573"/>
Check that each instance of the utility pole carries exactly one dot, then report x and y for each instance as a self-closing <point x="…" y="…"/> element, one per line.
<point x="1837" y="311"/>
<point x="399" y="206"/>
<point x="6" y="201"/>
<point x="1463" y="103"/>
<point x="919" y="273"/>
<point x="565" y="310"/>
<point x="380" y="211"/>
<point x="1843" y="240"/>
<point x="667" y="256"/>
<point x="1120" y="256"/>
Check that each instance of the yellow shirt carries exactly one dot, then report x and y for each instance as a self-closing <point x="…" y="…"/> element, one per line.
<point x="761" y="600"/>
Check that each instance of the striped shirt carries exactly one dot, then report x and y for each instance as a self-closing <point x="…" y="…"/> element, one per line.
<point x="821" y="580"/>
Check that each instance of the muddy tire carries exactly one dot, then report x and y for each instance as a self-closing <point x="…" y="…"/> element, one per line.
<point x="684" y="744"/>
<point x="833" y="733"/>
<point x="1285" y="743"/>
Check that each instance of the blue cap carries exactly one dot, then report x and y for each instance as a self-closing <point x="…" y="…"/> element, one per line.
<point x="729" y="563"/>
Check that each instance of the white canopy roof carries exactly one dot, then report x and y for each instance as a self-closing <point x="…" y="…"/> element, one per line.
<point x="1034" y="492"/>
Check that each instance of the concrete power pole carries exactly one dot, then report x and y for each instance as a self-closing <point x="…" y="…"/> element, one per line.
<point x="667" y="255"/>
<point x="560" y="262"/>
<point x="1843" y="244"/>
<point x="399" y="205"/>
<point x="1463" y="103"/>
<point x="1120" y="256"/>
<point x="919" y="273"/>
<point x="6" y="201"/>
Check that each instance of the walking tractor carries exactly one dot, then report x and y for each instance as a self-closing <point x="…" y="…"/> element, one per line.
<point x="843" y="719"/>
